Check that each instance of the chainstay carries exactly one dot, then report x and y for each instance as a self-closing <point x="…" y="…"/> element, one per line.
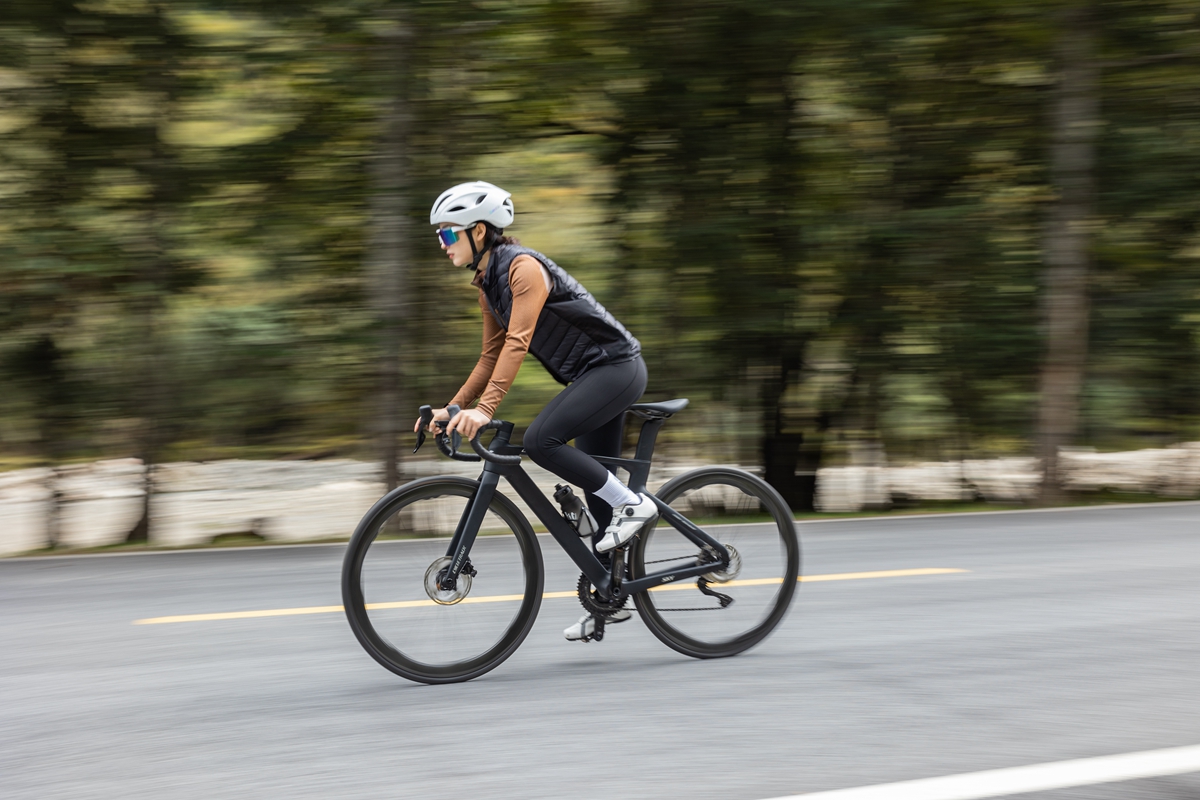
<point x="665" y="560"/>
<point x="663" y="610"/>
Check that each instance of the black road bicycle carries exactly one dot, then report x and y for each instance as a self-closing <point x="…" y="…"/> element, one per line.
<point x="444" y="577"/>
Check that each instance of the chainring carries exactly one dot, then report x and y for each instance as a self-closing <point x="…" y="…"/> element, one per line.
<point x="593" y="604"/>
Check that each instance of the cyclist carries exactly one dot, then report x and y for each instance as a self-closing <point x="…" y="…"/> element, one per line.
<point x="530" y="304"/>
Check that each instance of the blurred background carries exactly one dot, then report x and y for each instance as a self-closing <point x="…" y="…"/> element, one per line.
<point x="853" y="233"/>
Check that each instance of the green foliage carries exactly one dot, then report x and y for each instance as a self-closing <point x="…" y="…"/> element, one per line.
<point x="824" y="221"/>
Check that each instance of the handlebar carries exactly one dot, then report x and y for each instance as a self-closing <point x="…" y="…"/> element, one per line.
<point x="488" y="455"/>
<point x="449" y="444"/>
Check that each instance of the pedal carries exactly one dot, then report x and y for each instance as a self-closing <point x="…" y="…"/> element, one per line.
<point x="597" y="633"/>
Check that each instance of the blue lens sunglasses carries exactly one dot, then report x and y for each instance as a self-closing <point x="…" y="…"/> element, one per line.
<point x="449" y="236"/>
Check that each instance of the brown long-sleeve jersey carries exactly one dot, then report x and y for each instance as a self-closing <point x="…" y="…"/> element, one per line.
<point x="503" y="351"/>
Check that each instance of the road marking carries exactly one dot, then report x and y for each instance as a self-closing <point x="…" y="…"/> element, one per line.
<point x="1032" y="778"/>
<point x="508" y="598"/>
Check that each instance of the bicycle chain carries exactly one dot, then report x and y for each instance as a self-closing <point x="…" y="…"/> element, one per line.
<point x="701" y="584"/>
<point x="594" y="606"/>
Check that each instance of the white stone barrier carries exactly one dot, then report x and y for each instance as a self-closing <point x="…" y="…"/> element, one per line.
<point x="24" y="503"/>
<point x="1004" y="480"/>
<point x="855" y="488"/>
<point x="1171" y="472"/>
<point x="282" y="501"/>
<point x="931" y="480"/>
<point x="293" y="501"/>
<point x="195" y="503"/>
<point x="99" y="503"/>
<point x="841" y="489"/>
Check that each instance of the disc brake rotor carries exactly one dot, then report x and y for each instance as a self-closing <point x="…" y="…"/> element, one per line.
<point x="729" y="573"/>
<point x="445" y="597"/>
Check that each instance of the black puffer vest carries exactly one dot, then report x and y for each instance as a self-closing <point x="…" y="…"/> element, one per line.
<point x="574" y="332"/>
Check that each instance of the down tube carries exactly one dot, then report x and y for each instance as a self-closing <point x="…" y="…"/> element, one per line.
<point x="567" y="538"/>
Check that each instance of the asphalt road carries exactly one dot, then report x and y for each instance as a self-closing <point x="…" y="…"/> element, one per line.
<point x="1073" y="634"/>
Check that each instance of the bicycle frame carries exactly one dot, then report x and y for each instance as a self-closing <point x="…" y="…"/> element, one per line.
<point x="581" y="553"/>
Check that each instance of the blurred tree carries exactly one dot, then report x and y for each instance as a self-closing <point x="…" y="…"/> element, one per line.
<point x="708" y="164"/>
<point x="832" y="217"/>
<point x="935" y="114"/>
<point x="106" y="189"/>
<point x="1075" y="121"/>
<point x="1143" y="382"/>
<point x="1126" y="90"/>
<point x="390" y="241"/>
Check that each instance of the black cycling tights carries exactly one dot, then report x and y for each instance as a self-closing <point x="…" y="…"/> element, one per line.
<point x="592" y="412"/>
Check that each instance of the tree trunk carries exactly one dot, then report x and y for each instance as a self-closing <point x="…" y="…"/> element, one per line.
<point x="389" y="236"/>
<point x="1075" y="122"/>
<point x="789" y="462"/>
<point x="151" y="387"/>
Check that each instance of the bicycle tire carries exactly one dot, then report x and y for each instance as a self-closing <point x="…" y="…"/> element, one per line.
<point x="651" y="604"/>
<point x="392" y="656"/>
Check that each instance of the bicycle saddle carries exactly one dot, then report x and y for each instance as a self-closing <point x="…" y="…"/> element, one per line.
<point x="664" y="409"/>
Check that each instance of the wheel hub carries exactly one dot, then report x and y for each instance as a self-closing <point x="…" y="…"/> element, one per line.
<point x="433" y="583"/>
<point x="728" y="573"/>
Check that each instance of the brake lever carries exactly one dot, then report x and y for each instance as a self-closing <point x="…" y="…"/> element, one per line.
<point x="455" y="438"/>
<point x="426" y="418"/>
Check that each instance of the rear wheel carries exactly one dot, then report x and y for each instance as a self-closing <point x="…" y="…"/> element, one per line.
<point x="748" y="517"/>
<point x="393" y="597"/>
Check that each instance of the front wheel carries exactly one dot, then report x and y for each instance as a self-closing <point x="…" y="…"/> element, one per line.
<point x="395" y="601"/>
<point x="748" y="517"/>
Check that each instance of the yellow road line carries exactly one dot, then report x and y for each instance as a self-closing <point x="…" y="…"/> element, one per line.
<point x="508" y="598"/>
<point x="886" y="573"/>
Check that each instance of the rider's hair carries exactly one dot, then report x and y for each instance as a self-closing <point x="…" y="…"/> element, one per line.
<point x="496" y="236"/>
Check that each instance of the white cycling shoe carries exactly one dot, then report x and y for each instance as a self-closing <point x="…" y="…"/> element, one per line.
<point x="627" y="520"/>
<point x="585" y="629"/>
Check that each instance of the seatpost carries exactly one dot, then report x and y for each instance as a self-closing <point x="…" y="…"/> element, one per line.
<point x="647" y="438"/>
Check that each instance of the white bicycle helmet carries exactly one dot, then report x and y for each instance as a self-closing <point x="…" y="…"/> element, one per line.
<point x="473" y="202"/>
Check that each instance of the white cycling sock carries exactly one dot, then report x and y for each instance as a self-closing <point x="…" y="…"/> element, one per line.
<point x="616" y="493"/>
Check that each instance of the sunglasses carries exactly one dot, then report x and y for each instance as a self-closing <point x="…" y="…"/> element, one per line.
<point x="449" y="236"/>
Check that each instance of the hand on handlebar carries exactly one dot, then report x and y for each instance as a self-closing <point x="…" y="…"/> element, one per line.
<point x="468" y="423"/>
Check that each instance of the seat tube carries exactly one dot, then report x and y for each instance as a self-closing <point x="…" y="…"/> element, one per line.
<point x="640" y="473"/>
